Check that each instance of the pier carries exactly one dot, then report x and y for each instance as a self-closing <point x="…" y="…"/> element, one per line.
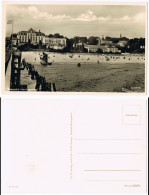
<point x="66" y="75"/>
<point x="34" y="81"/>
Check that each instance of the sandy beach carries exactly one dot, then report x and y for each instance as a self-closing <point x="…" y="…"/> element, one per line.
<point x="98" y="73"/>
<point x="85" y="57"/>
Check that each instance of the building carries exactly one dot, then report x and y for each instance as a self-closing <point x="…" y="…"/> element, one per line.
<point x="46" y="40"/>
<point x="80" y="44"/>
<point x="57" y="46"/>
<point x="112" y="49"/>
<point x="22" y="37"/>
<point x="31" y="35"/>
<point x="40" y="37"/>
<point x="104" y="48"/>
<point x="91" y="48"/>
<point x="104" y="41"/>
<point x="35" y="37"/>
<point x="95" y="48"/>
<point x="56" y="43"/>
<point x="122" y="43"/>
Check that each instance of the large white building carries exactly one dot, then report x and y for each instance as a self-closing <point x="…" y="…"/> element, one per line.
<point x="54" y="43"/>
<point x="35" y="37"/>
<point x="31" y="35"/>
<point x="122" y="43"/>
<point x="104" y="48"/>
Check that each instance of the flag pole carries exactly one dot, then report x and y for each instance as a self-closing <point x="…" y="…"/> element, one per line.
<point x="12" y="38"/>
<point x="11" y="22"/>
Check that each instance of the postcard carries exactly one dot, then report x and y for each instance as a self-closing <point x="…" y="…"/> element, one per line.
<point x="74" y="47"/>
<point x="83" y="146"/>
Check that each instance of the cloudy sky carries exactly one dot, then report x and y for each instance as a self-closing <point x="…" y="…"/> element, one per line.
<point x="79" y="20"/>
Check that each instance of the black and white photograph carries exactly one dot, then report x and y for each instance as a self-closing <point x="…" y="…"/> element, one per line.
<point x="75" y="48"/>
<point x="74" y="96"/>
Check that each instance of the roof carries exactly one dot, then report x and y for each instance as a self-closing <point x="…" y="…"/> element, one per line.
<point x="22" y="31"/>
<point x="102" y="47"/>
<point x="40" y="33"/>
<point x="51" y="38"/>
<point x="31" y="30"/>
<point x="95" y="46"/>
<point x="92" y="46"/>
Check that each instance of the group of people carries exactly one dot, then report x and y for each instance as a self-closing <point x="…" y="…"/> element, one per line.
<point x="41" y="83"/>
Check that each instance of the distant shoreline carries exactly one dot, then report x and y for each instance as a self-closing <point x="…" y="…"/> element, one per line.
<point x="88" y="58"/>
<point x="101" y="54"/>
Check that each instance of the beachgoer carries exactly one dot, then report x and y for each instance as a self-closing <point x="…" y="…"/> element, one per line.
<point x="49" y="86"/>
<point x="54" y="87"/>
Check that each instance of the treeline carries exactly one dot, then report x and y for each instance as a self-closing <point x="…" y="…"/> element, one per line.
<point x="135" y="46"/>
<point x="76" y="44"/>
<point x="91" y="40"/>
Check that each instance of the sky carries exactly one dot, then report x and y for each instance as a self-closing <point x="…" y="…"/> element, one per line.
<point x="78" y="20"/>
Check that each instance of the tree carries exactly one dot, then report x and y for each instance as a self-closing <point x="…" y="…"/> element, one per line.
<point x="50" y="35"/>
<point x="142" y="41"/>
<point x="83" y="39"/>
<point x="134" y="45"/>
<point x="92" y="40"/>
<point x="40" y="44"/>
<point x="76" y="40"/>
<point x="14" y="35"/>
<point x="69" y="44"/>
<point x="85" y="50"/>
<point x="57" y="35"/>
<point x="99" y="51"/>
<point x="108" y="38"/>
<point x="29" y="42"/>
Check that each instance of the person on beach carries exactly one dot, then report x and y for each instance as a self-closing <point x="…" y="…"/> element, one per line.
<point x="49" y="87"/>
<point x="79" y="64"/>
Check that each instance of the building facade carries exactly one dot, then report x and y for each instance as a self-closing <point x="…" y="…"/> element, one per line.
<point x="31" y="35"/>
<point x="91" y="48"/>
<point x="35" y="37"/>
<point x="104" y="48"/>
<point x="55" y="43"/>
<point x="113" y="49"/>
<point x="122" y="43"/>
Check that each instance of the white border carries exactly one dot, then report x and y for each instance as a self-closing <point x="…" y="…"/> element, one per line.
<point x="90" y="96"/>
<point x="3" y="92"/>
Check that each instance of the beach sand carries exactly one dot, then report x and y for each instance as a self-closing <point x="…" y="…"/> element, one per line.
<point x="120" y="73"/>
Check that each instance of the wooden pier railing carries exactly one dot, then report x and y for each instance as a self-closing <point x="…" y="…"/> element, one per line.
<point x="13" y="76"/>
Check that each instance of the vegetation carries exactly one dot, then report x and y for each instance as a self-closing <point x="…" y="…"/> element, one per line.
<point x="92" y="40"/>
<point x="135" y="45"/>
<point x="56" y="35"/>
<point x="77" y="44"/>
